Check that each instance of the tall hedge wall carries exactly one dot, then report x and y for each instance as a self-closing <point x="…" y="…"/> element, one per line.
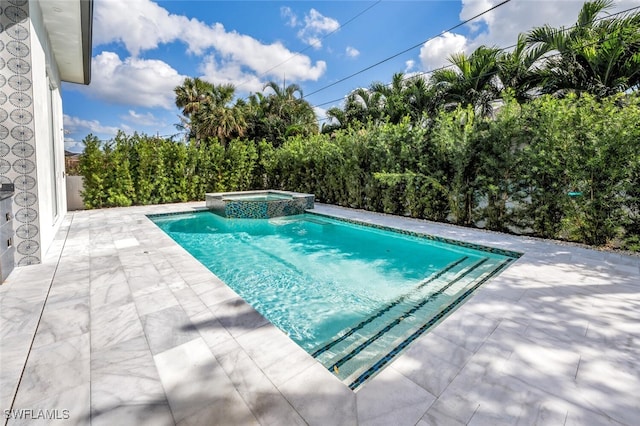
<point x="555" y="168"/>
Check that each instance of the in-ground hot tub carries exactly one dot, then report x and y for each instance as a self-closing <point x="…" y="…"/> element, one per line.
<point x="258" y="204"/>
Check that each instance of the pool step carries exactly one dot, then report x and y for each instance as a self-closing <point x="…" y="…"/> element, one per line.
<point x="342" y="341"/>
<point x="358" y="350"/>
<point x="407" y="314"/>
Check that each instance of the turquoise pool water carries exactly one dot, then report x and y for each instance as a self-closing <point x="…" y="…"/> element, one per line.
<point x="349" y="294"/>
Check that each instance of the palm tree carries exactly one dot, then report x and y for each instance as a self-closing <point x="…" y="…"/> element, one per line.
<point x="599" y="56"/>
<point x="337" y="120"/>
<point x="219" y="118"/>
<point x="190" y="96"/>
<point x="421" y="98"/>
<point x="519" y="70"/>
<point x="362" y="106"/>
<point x="287" y="115"/>
<point x="393" y="98"/>
<point x="472" y="82"/>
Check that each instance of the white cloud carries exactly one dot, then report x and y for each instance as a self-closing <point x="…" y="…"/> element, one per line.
<point x="143" y="25"/>
<point x="72" y="145"/>
<point x="139" y="25"/>
<point x="321" y="114"/>
<point x="246" y="52"/>
<point x="287" y="13"/>
<point x="505" y="23"/>
<point x="80" y="125"/>
<point x="352" y="52"/>
<point x="224" y="72"/>
<point x="139" y="82"/>
<point x="315" y="27"/>
<point x="500" y="27"/>
<point x="471" y="8"/>
<point x="435" y="53"/>
<point x="147" y="119"/>
<point x="409" y="65"/>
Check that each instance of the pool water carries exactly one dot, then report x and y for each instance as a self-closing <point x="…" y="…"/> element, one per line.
<point x="353" y="296"/>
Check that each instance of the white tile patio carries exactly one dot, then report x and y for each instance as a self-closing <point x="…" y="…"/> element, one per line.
<point x="119" y="325"/>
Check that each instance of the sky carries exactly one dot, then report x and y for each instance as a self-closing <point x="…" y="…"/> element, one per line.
<point x="143" y="49"/>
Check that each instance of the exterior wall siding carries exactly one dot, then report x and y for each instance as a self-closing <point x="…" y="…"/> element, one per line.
<point x="49" y="137"/>
<point x="17" y="127"/>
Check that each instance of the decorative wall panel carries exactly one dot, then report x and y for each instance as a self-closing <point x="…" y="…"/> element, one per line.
<point x="17" y="142"/>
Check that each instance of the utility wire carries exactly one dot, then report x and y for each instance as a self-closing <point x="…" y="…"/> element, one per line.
<point x="315" y="43"/>
<point x="422" y="73"/>
<point x="488" y="74"/>
<point x="409" y="49"/>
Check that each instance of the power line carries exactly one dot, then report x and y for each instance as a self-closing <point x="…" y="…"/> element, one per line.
<point x="499" y="50"/>
<point x="409" y="49"/>
<point x="488" y="74"/>
<point x="315" y="43"/>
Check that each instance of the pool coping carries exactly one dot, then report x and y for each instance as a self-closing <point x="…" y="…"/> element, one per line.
<point x="393" y="352"/>
<point x="457" y="373"/>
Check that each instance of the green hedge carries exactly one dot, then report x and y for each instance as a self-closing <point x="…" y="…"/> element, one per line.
<point x="512" y="172"/>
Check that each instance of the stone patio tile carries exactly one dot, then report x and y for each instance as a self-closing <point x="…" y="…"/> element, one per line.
<point x="197" y="387"/>
<point x="265" y="401"/>
<point x="168" y="328"/>
<point x="237" y="316"/>
<point x="190" y="301"/>
<point x="392" y="399"/>
<point x="211" y="330"/>
<point x="468" y="331"/>
<point x="277" y="355"/>
<point x="504" y="401"/>
<point x="216" y="295"/>
<point x="432" y="373"/>
<point x="546" y="410"/>
<point x="19" y="318"/>
<point x="434" y="417"/>
<point x="70" y="406"/>
<point x="110" y="287"/>
<point x="610" y="387"/>
<point x="153" y="301"/>
<point x="62" y="320"/>
<point x="147" y="414"/>
<point x="13" y="355"/>
<point x="553" y="339"/>
<point x="124" y="374"/>
<point x="102" y="266"/>
<point x="461" y="398"/>
<point x="53" y="369"/>
<point x="320" y="397"/>
<point x="113" y="324"/>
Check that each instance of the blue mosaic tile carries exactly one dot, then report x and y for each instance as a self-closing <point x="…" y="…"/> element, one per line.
<point x="402" y="316"/>
<point x="387" y="308"/>
<point x="424" y="328"/>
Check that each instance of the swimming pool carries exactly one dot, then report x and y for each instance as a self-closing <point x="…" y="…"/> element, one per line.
<point x="351" y="295"/>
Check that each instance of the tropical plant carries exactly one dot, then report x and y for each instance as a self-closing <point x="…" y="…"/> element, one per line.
<point x="190" y="96"/>
<point x="285" y="114"/>
<point x="472" y="82"/>
<point x="519" y="70"/>
<point x="598" y="56"/>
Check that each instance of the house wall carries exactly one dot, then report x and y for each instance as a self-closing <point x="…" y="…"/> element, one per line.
<point x="48" y="129"/>
<point x="30" y="141"/>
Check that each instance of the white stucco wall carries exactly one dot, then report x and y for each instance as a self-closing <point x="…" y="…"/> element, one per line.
<point x="43" y="65"/>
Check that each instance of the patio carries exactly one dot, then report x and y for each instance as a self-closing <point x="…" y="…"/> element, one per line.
<point x="119" y="325"/>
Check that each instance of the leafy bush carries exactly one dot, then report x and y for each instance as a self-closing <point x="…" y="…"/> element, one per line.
<point x="511" y="172"/>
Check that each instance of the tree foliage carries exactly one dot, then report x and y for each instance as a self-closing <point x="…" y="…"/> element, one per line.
<point x="542" y="140"/>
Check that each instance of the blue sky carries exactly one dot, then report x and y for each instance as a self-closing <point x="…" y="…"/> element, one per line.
<point x="142" y="49"/>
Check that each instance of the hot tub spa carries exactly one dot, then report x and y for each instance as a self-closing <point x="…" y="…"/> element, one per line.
<point x="258" y="204"/>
